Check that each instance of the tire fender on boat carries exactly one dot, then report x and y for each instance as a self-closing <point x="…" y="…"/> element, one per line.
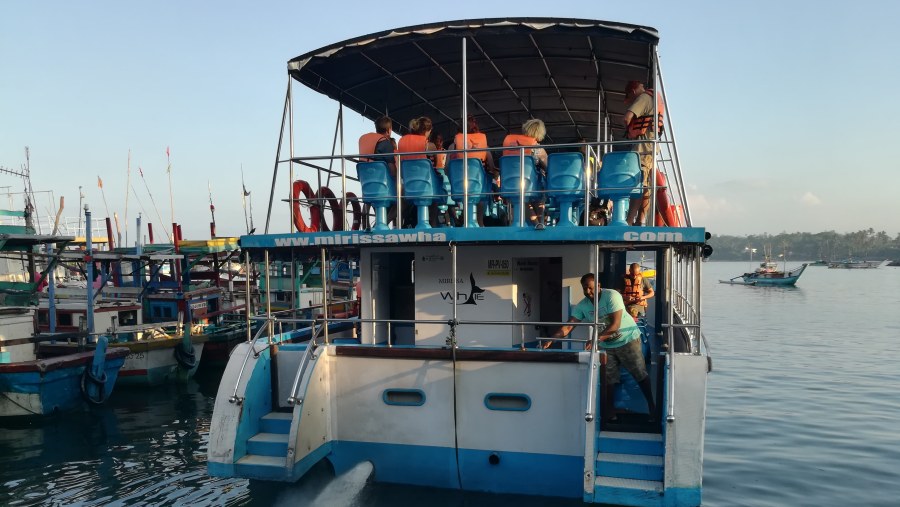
<point x="353" y="203"/>
<point x="86" y="377"/>
<point x="302" y="187"/>
<point x="337" y="212"/>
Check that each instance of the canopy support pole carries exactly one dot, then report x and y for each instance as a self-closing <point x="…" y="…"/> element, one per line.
<point x="287" y="101"/>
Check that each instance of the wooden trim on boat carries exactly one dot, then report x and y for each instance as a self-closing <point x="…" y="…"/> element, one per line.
<point x="60" y="362"/>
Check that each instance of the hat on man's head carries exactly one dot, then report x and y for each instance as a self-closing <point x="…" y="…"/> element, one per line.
<point x="631" y="89"/>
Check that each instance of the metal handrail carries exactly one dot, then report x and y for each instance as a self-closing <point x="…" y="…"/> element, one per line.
<point x="234" y="397"/>
<point x="304" y="362"/>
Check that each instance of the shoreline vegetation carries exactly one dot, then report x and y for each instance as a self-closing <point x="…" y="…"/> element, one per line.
<point x="805" y="246"/>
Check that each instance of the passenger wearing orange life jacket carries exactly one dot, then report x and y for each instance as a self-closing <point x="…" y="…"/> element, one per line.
<point x="639" y="125"/>
<point x="418" y="140"/>
<point x="476" y="139"/>
<point x="636" y="291"/>
<point x="379" y="142"/>
<point x="533" y="132"/>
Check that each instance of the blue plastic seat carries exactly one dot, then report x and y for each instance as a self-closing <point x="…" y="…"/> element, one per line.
<point x="477" y="183"/>
<point x="620" y="179"/>
<point x="378" y="189"/>
<point x="565" y="183"/>
<point x="511" y="182"/>
<point x="421" y="187"/>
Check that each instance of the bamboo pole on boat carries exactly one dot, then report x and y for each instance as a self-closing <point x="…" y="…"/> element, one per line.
<point x="127" y="186"/>
<point x="171" y="196"/>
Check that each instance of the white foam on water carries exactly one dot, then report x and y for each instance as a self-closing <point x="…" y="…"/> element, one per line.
<point x="343" y="490"/>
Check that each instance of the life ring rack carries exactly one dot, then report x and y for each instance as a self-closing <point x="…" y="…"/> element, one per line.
<point x="316" y="201"/>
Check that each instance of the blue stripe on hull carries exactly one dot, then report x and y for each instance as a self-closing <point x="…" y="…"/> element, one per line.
<point x="418" y="465"/>
<point x="522" y="473"/>
<point x="515" y="473"/>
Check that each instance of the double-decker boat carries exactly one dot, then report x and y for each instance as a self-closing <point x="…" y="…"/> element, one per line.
<point x="444" y="379"/>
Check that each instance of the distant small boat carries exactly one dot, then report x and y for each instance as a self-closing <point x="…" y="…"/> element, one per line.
<point x="894" y="263"/>
<point x="768" y="274"/>
<point x="851" y="263"/>
<point x="820" y="262"/>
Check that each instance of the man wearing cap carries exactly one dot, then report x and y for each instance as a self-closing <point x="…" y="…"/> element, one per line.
<point x="639" y="125"/>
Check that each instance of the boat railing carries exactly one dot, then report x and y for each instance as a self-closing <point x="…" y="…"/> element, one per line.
<point x="535" y="192"/>
<point x="235" y="399"/>
<point x="308" y="355"/>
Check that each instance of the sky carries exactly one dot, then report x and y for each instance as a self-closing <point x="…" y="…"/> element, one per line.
<point x="783" y="111"/>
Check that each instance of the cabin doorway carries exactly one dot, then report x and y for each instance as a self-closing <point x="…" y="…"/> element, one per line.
<point x="393" y="296"/>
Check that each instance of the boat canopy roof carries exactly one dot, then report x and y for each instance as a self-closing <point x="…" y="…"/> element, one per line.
<point x="558" y="70"/>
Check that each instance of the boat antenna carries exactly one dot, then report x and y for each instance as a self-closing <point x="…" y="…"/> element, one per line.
<point x="103" y="194"/>
<point x="152" y="200"/>
<point x="171" y="198"/>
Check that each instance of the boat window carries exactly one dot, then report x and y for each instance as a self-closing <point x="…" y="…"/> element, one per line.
<point x="404" y="397"/>
<point x="128" y="318"/>
<point x="507" y="402"/>
<point x="64" y="319"/>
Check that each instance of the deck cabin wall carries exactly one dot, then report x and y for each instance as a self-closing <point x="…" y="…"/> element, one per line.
<point x="15" y="325"/>
<point x="494" y="283"/>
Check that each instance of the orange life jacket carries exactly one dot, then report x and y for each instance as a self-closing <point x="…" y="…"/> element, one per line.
<point x="634" y="289"/>
<point x="514" y="140"/>
<point x="476" y="140"/>
<point x="440" y="161"/>
<point x="368" y="142"/>
<point x="639" y="125"/>
<point x="412" y="143"/>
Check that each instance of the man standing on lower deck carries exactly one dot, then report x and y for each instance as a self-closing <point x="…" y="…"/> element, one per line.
<point x="619" y="338"/>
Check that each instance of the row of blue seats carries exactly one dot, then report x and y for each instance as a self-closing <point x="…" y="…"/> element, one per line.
<point x="619" y="180"/>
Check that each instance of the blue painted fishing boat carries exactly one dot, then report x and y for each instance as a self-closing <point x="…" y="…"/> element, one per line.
<point x="31" y="381"/>
<point x="454" y="374"/>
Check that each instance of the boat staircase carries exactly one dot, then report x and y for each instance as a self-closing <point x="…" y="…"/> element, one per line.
<point x="629" y="468"/>
<point x="267" y="449"/>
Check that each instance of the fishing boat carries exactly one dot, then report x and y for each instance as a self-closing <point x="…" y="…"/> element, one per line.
<point x="766" y="275"/>
<point x="31" y="381"/>
<point x="852" y="263"/>
<point x="444" y="380"/>
<point x="167" y="349"/>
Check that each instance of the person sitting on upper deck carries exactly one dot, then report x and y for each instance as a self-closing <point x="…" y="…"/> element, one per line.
<point x="379" y="142"/>
<point x="620" y="338"/>
<point x="636" y="290"/>
<point x="638" y="121"/>
<point x="419" y="140"/>
<point x="475" y="139"/>
<point x="533" y="132"/>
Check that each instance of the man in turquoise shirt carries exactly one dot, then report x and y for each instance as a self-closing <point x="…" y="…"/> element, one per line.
<point x="619" y="338"/>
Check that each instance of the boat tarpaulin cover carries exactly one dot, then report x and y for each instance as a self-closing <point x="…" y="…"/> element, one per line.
<point x="561" y="71"/>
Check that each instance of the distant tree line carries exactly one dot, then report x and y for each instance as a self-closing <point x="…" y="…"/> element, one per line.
<point x="805" y="246"/>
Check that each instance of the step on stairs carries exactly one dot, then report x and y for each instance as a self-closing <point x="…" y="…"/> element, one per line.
<point x="629" y="469"/>
<point x="267" y="450"/>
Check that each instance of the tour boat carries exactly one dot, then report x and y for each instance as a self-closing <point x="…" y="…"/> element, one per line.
<point x="443" y="380"/>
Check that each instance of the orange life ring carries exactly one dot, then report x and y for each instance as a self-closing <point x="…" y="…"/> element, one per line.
<point x="337" y="215"/>
<point x="315" y="212"/>
<point x="353" y="203"/>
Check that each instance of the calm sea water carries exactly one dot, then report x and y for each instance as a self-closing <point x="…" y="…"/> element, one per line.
<point x="804" y="409"/>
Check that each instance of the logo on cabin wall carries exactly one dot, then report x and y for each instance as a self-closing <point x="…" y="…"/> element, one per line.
<point x="475" y="294"/>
